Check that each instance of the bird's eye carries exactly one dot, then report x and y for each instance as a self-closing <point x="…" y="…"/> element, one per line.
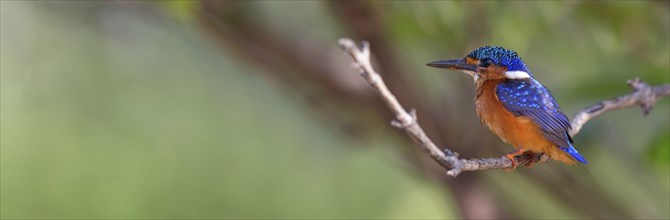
<point x="486" y="62"/>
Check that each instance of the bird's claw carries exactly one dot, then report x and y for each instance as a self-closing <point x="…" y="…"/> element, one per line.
<point x="514" y="163"/>
<point x="511" y="158"/>
<point x="534" y="158"/>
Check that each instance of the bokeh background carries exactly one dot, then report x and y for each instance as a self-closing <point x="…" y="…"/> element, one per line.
<point x="248" y="109"/>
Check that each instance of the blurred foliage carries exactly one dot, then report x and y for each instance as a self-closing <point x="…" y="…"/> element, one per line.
<point x="129" y="109"/>
<point x="104" y="125"/>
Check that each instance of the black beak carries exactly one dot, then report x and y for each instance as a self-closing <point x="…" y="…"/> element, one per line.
<point x="455" y="64"/>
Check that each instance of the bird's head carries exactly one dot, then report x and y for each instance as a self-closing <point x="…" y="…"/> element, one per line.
<point x="488" y="62"/>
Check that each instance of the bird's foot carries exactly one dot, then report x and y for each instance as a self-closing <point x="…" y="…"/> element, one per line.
<point x="511" y="156"/>
<point x="533" y="159"/>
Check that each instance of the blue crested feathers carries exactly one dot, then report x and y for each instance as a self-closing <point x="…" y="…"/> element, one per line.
<point x="500" y="56"/>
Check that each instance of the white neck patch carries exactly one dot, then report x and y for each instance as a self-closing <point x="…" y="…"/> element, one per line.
<point x="474" y="74"/>
<point x="517" y="74"/>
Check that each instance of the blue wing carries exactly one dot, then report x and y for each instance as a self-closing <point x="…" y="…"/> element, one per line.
<point x="529" y="98"/>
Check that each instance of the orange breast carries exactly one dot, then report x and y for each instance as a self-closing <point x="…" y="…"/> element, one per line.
<point x="520" y="132"/>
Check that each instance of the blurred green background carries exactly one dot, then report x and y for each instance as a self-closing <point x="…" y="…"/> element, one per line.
<point x="236" y="109"/>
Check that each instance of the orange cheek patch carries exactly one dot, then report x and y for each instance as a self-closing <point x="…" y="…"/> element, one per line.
<point x="470" y="60"/>
<point x="494" y="72"/>
<point x="491" y="72"/>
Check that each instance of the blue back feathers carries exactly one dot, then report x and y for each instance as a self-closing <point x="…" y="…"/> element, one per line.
<point x="527" y="97"/>
<point x="500" y="56"/>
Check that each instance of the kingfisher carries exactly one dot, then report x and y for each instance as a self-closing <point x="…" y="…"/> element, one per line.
<point x="515" y="106"/>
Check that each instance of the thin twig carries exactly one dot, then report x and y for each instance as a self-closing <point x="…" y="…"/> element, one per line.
<point x="643" y="95"/>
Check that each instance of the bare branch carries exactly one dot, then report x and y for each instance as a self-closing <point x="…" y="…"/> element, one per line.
<point x="643" y="95"/>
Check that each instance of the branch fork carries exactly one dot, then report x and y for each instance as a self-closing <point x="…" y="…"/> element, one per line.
<point x="643" y="95"/>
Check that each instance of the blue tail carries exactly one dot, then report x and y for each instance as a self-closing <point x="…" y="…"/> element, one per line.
<point x="573" y="152"/>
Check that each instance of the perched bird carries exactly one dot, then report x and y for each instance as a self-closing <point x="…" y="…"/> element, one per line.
<point x="515" y="106"/>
